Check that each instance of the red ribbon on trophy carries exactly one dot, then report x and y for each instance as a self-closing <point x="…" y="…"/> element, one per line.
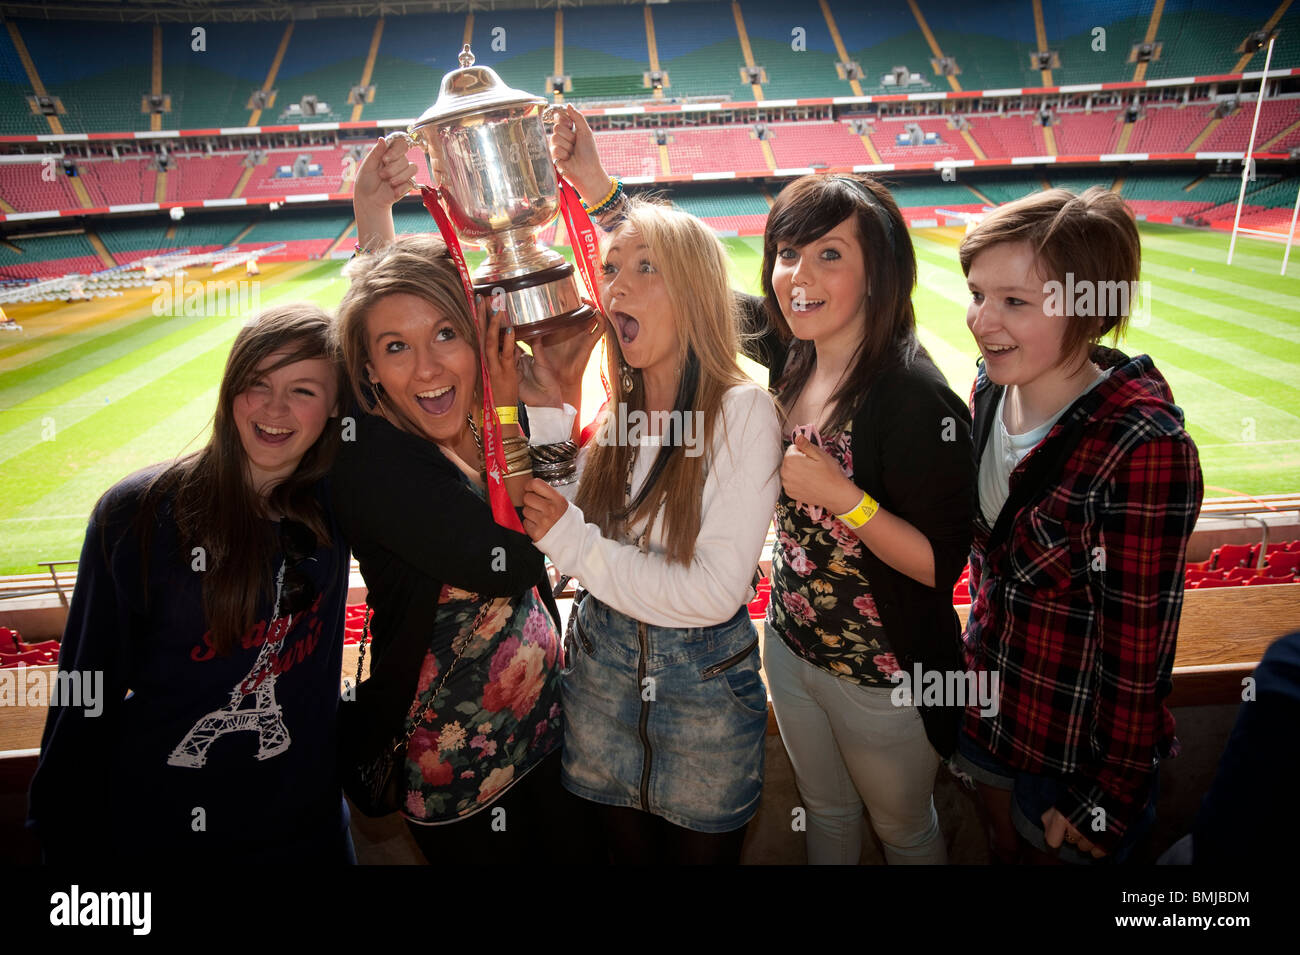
<point x="586" y="252"/>
<point x="494" y="458"/>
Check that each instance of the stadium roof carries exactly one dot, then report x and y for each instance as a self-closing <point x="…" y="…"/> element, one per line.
<point x="200" y="11"/>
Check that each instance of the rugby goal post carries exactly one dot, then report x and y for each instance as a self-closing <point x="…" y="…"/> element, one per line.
<point x="1248" y="165"/>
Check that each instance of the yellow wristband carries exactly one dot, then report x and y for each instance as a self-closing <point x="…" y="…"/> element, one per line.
<point x="864" y="512"/>
<point x="508" y="414"/>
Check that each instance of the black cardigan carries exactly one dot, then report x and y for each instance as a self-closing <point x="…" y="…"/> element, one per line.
<point x="414" y="524"/>
<point x="912" y="453"/>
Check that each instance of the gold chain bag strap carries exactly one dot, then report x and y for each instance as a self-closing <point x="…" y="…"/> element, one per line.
<point x="377" y="786"/>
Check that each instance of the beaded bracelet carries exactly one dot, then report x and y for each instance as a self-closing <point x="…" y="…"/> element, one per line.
<point x="616" y="190"/>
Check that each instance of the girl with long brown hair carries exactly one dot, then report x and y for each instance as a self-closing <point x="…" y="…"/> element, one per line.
<point x="464" y="623"/>
<point x="207" y="619"/>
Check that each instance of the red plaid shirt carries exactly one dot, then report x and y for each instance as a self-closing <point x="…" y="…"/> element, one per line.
<point x="1076" y="594"/>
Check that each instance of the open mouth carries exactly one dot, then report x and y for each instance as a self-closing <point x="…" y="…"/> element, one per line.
<point x="438" y="401"/>
<point x="807" y="305"/>
<point x="998" y="351"/>
<point x="628" y="327"/>
<point x="272" y="436"/>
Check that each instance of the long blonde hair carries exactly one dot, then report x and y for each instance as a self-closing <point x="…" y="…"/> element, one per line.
<point x="693" y="264"/>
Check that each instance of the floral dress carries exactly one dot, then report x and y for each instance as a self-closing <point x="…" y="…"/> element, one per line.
<point x="488" y="700"/>
<point x="822" y="605"/>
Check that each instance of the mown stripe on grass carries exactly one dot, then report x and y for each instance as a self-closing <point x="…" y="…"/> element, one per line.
<point x="28" y="424"/>
<point x="75" y="388"/>
<point x="94" y="438"/>
<point x="43" y="530"/>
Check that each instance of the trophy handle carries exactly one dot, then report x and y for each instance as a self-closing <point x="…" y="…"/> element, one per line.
<point x="552" y="114"/>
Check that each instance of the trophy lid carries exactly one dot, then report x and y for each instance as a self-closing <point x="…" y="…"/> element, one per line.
<point x="473" y="89"/>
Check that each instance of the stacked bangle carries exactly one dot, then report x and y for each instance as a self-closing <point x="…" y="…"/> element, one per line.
<point x="556" y="463"/>
<point x="859" y="515"/>
<point x="518" y="460"/>
<point x="611" y="197"/>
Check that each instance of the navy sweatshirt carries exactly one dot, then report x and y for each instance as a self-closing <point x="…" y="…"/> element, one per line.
<point x="194" y="755"/>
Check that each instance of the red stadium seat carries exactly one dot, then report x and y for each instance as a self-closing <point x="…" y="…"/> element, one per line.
<point x="1212" y="582"/>
<point x="1241" y="573"/>
<point x="1283" y="563"/>
<point x="1228" y="556"/>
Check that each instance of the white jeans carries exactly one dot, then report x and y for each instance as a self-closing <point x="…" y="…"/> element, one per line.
<point x="850" y="746"/>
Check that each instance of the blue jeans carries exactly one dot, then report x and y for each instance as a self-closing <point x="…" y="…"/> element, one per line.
<point x="1033" y="794"/>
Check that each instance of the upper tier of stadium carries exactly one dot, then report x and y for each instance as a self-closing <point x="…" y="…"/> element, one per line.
<point x="60" y="76"/>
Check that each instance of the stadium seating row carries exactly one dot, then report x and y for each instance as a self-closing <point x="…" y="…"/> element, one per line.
<point x="42" y="184"/>
<point x="730" y="208"/>
<point x="101" y="74"/>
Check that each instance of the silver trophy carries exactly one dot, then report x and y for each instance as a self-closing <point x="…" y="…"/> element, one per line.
<point x="490" y="142"/>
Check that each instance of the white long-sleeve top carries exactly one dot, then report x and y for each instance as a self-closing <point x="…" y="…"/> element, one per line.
<point x="740" y="492"/>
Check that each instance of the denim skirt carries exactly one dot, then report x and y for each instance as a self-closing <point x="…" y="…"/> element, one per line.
<point x="667" y="720"/>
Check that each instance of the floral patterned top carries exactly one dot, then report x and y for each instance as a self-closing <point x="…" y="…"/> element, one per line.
<point x="489" y="716"/>
<point x="822" y="605"/>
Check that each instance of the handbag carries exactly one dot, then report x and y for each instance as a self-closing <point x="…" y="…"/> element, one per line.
<point x="372" y="773"/>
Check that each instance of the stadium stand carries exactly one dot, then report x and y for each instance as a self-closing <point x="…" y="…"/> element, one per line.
<point x="204" y="177"/>
<point x="881" y="38"/>
<point x="605" y="55"/>
<point x="1070" y="26"/>
<point x="1006" y="187"/>
<point x="32" y="187"/>
<point x="1167" y="129"/>
<point x="950" y="143"/>
<point x="119" y="182"/>
<point x="102" y="86"/>
<point x="631" y="153"/>
<point x="529" y="38"/>
<point x="700" y="49"/>
<point x="297" y="171"/>
<point x="1204" y="42"/>
<point x="48" y="256"/>
<point x="211" y="87"/>
<point x="716" y="149"/>
<point x="325" y="59"/>
<point x="815" y="144"/>
<point x="1234" y="131"/>
<point x="798" y="65"/>
<point x="414" y="53"/>
<point x="1087" y="134"/>
<point x="991" y="42"/>
<point x="1002" y="137"/>
<point x="16" y="114"/>
<point x="737" y="209"/>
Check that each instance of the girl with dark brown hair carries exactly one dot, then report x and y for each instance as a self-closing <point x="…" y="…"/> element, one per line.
<point x="207" y="621"/>
<point x="872" y="525"/>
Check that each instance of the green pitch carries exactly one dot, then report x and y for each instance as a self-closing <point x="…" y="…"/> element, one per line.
<point x="90" y="392"/>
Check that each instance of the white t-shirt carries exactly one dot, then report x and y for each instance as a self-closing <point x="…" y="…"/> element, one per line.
<point x="740" y="494"/>
<point x="1005" y="450"/>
